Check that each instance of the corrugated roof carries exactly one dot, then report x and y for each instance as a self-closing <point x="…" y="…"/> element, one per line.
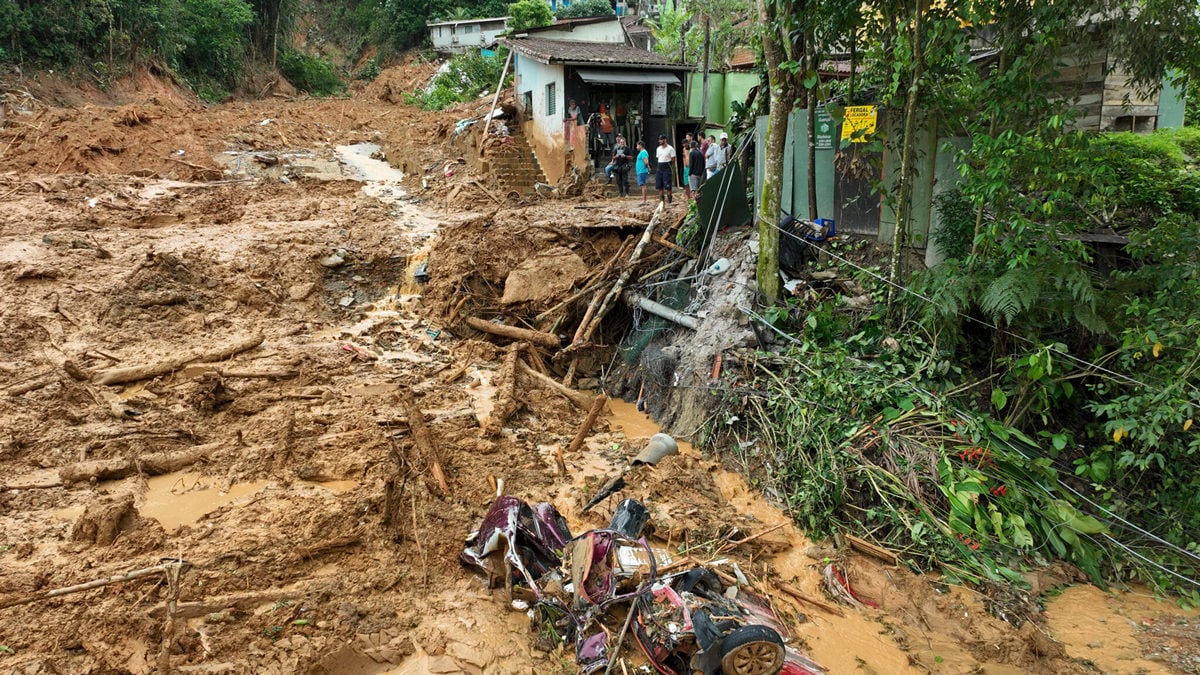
<point x="571" y="52"/>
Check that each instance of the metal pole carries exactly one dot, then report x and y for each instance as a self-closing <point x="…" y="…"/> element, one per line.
<point x="495" y="100"/>
<point x="704" y="94"/>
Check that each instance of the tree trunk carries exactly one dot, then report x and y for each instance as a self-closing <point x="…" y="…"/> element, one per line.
<point x="781" y="103"/>
<point x="908" y="150"/>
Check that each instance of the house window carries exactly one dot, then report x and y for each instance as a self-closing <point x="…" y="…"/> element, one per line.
<point x="470" y="28"/>
<point x="551" y="107"/>
<point x="527" y="102"/>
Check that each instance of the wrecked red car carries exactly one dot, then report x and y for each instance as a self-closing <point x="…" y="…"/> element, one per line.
<point x="582" y="590"/>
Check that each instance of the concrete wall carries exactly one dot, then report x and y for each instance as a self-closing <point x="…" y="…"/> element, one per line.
<point x="723" y="90"/>
<point x="546" y="133"/>
<point x="603" y="31"/>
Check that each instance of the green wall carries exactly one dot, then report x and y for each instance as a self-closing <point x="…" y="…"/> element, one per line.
<point x="798" y="137"/>
<point x="723" y="90"/>
<point x="1171" y="102"/>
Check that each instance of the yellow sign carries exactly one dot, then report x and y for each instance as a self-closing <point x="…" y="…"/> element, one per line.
<point x="859" y="123"/>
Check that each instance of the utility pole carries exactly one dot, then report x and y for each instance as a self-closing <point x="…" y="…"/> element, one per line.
<point x="704" y="93"/>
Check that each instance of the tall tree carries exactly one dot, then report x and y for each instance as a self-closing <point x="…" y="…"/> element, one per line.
<point x="776" y="19"/>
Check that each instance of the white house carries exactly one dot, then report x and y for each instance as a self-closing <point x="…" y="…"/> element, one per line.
<point x="588" y="61"/>
<point x="466" y="35"/>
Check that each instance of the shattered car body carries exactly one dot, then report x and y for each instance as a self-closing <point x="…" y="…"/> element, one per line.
<point x="684" y="622"/>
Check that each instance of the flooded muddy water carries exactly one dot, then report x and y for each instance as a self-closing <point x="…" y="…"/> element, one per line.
<point x="184" y="498"/>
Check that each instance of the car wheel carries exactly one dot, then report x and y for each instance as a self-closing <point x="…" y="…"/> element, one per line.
<point x="752" y="650"/>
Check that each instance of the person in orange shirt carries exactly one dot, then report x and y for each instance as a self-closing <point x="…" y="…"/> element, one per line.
<point x="606" y="126"/>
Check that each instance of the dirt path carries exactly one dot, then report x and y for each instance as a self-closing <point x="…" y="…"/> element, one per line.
<point x="318" y="539"/>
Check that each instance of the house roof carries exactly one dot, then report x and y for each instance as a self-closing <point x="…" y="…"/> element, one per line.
<point x="742" y="58"/>
<point x="633" y="25"/>
<point x="598" y="53"/>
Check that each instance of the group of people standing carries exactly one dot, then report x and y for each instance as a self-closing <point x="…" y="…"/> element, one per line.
<point x="701" y="161"/>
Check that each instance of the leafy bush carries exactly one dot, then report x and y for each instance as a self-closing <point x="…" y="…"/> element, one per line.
<point x="585" y="8"/>
<point x="525" y="14"/>
<point x="309" y="73"/>
<point x="957" y="218"/>
<point x="468" y="76"/>
<point x="370" y="70"/>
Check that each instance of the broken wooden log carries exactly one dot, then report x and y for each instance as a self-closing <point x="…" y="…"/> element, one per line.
<point x="198" y="369"/>
<point x="422" y="439"/>
<point x="241" y="601"/>
<point x="153" y="464"/>
<point x="59" y="592"/>
<point x="536" y="337"/>
<point x="458" y="372"/>
<point x="598" y="308"/>
<point x="577" y="397"/>
<point x="613" y="294"/>
<point x="43" y="380"/>
<point x="506" y="392"/>
<point x="804" y="597"/>
<point x="866" y="547"/>
<point x="149" y="370"/>
<point x="658" y="309"/>
<point x="584" y="429"/>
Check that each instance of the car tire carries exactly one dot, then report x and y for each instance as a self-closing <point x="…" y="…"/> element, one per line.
<point x="752" y="650"/>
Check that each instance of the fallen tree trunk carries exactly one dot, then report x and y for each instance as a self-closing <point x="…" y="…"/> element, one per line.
<point x="45" y="379"/>
<point x="153" y="464"/>
<point x="198" y="369"/>
<point x="243" y="601"/>
<point x="58" y="592"/>
<point x="506" y="392"/>
<point x="422" y="439"/>
<point x="149" y="370"/>
<point x="577" y="397"/>
<point x="512" y="332"/>
<point x="584" y="430"/>
<point x="595" y="313"/>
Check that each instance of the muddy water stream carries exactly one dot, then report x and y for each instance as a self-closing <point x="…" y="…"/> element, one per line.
<point x="854" y="643"/>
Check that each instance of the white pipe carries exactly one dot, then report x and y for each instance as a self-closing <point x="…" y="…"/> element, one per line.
<point x="658" y="309"/>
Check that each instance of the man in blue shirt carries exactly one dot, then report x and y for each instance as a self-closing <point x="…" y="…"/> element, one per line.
<point x="642" y="164"/>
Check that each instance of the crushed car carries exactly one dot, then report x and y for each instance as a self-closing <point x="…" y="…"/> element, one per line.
<point x="579" y="590"/>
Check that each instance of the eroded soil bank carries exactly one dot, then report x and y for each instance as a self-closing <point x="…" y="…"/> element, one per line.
<point x="287" y="456"/>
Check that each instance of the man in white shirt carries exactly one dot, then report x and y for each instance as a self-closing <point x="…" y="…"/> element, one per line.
<point x="718" y="155"/>
<point x="663" y="177"/>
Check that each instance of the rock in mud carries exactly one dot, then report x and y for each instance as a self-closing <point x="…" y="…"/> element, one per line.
<point x="543" y="276"/>
<point x="297" y="292"/>
<point x="334" y="260"/>
<point x="105" y="519"/>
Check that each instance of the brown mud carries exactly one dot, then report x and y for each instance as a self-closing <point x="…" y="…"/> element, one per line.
<point x="318" y="538"/>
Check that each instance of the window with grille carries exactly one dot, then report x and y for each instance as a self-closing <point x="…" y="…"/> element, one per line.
<point x="551" y="104"/>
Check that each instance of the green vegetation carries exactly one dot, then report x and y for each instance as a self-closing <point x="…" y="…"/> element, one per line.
<point x="581" y="9"/>
<point x="468" y="76"/>
<point x="1030" y="403"/>
<point x="525" y="14"/>
<point x="311" y="74"/>
<point x="1045" y="355"/>
<point x="211" y="44"/>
